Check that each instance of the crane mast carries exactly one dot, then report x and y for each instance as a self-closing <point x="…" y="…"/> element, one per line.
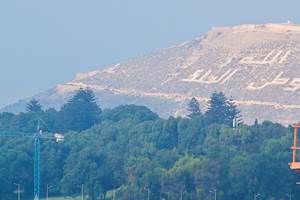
<point x="37" y="180"/>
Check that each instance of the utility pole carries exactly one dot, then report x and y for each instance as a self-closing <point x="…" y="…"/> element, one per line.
<point x="181" y="194"/>
<point x="82" y="192"/>
<point x="47" y="191"/>
<point x="289" y="195"/>
<point x="18" y="190"/>
<point x="215" y="193"/>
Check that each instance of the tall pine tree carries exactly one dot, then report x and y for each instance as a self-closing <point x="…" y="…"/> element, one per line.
<point x="34" y="106"/>
<point x="221" y="110"/>
<point x="81" y="111"/>
<point x="194" y="107"/>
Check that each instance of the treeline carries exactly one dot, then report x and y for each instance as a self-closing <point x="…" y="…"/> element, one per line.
<point x="82" y="112"/>
<point x="79" y="113"/>
<point x="129" y="153"/>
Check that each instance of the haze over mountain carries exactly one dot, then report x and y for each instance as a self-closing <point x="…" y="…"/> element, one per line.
<point x="257" y="65"/>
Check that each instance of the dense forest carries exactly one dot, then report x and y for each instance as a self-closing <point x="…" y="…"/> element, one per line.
<point x="130" y="153"/>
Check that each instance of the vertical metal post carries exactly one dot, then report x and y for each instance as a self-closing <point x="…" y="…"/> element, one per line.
<point x="19" y="192"/>
<point x="290" y="196"/>
<point x="37" y="166"/>
<point x="215" y="194"/>
<point x="181" y="194"/>
<point x="47" y="192"/>
<point x="295" y="143"/>
<point x="82" y="192"/>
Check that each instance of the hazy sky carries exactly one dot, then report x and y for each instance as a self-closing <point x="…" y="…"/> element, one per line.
<point x="46" y="42"/>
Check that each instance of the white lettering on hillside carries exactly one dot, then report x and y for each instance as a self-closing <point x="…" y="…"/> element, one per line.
<point x="274" y="57"/>
<point x="278" y="80"/>
<point x="289" y="84"/>
<point x="223" y="75"/>
<point x="208" y="77"/>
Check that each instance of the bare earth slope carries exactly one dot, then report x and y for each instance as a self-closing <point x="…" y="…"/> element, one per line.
<point x="257" y="65"/>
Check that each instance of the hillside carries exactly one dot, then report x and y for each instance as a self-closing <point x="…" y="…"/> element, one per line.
<point x="257" y="65"/>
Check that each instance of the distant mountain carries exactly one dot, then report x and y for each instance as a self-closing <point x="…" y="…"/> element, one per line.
<point x="257" y="65"/>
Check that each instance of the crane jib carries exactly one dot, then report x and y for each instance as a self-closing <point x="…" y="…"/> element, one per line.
<point x="16" y="134"/>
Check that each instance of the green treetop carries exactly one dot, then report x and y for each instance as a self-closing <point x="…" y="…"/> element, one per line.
<point x="221" y="110"/>
<point x="81" y="111"/>
<point x="194" y="107"/>
<point x="34" y="106"/>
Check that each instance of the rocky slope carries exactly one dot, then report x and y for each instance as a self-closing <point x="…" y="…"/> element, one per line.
<point x="257" y="65"/>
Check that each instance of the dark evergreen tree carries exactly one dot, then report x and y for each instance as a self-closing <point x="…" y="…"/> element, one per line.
<point x="256" y="122"/>
<point x="194" y="107"/>
<point x="34" y="106"/>
<point x="81" y="112"/>
<point x="221" y="110"/>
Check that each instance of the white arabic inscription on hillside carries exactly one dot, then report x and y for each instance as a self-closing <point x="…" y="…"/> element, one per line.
<point x="289" y="84"/>
<point x="273" y="57"/>
<point x="208" y="77"/>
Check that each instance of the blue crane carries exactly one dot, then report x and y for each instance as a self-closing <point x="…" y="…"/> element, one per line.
<point x="38" y="136"/>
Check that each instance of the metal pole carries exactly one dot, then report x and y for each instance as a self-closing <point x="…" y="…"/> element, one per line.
<point x="82" y="195"/>
<point x="215" y="194"/>
<point x="47" y="192"/>
<point x="148" y="194"/>
<point x="289" y="195"/>
<point x="181" y="194"/>
<point x="18" y="191"/>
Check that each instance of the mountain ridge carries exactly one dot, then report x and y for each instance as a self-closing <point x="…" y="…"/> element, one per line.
<point x="254" y="64"/>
